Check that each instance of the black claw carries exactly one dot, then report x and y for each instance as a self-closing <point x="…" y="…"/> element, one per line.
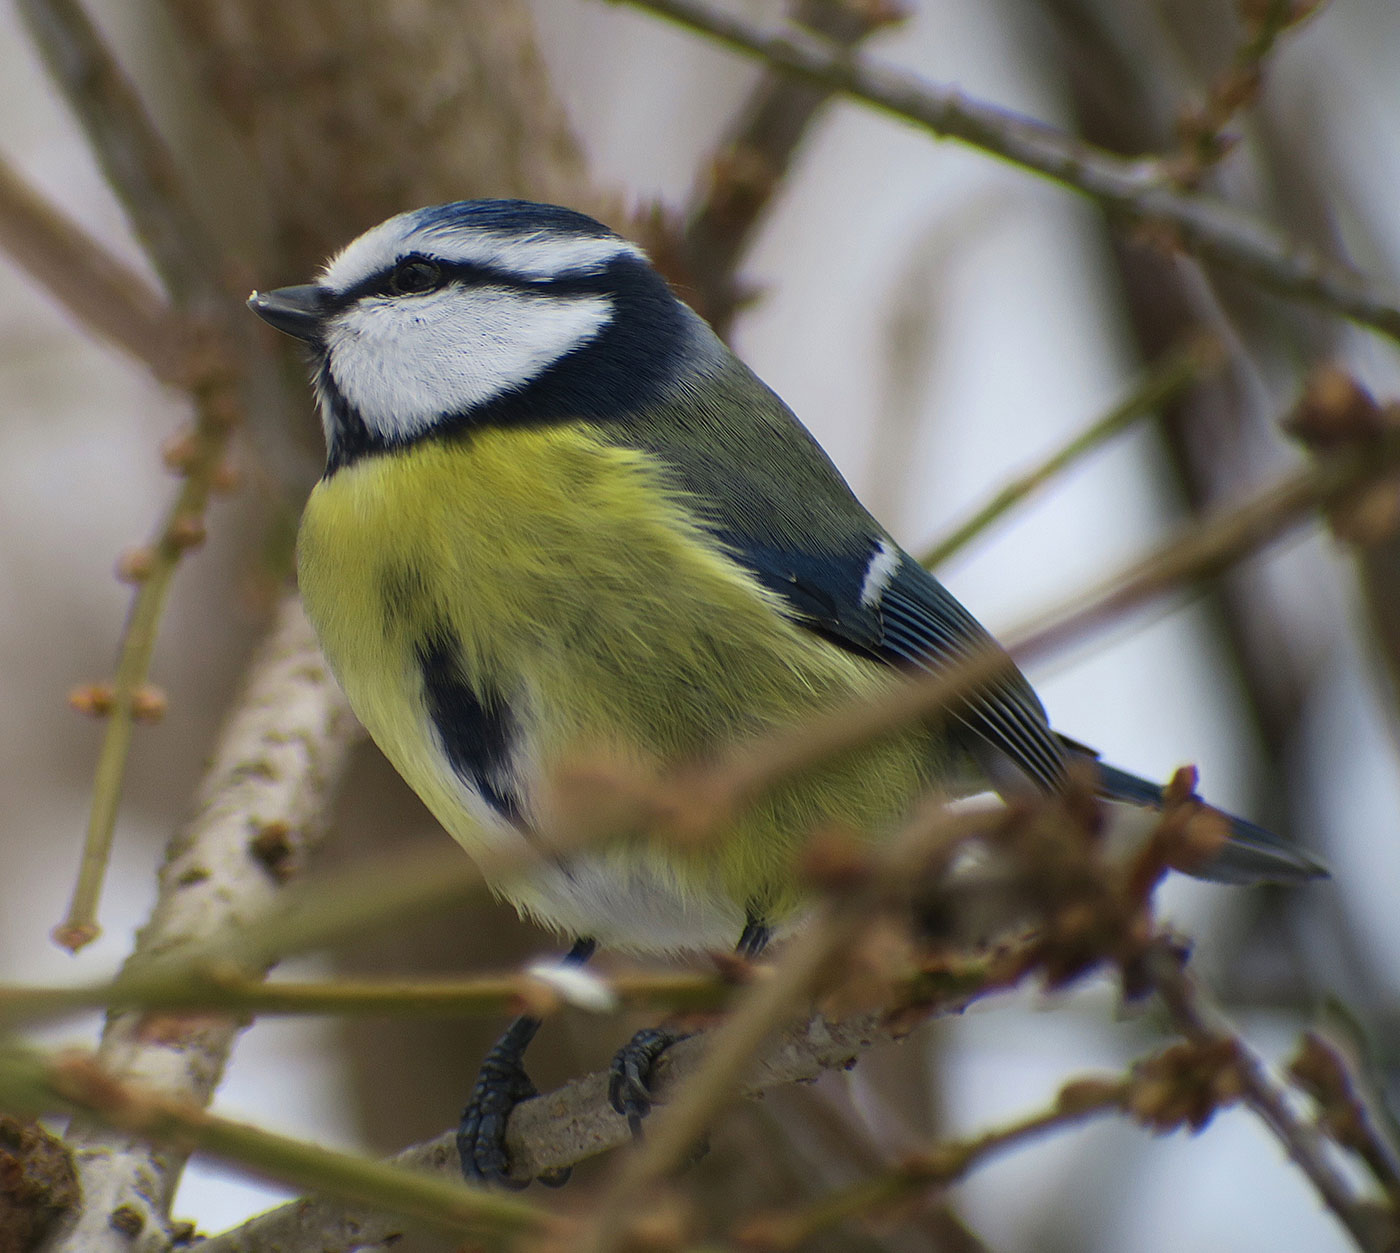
<point x="555" y="1178"/>
<point x="501" y="1085"/>
<point x="631" y="1072"/>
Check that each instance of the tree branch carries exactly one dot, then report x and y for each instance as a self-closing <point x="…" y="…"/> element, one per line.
<point x="1140" y="189"/>
<point x="262" y="807"/>
<point x="109" y="298"/>
<point x="562" y="1128"/>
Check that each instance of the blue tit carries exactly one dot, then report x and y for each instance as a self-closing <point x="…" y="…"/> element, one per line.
<point x="560" y="519"/>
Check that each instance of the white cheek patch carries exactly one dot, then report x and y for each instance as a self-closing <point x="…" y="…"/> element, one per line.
<point x="405" y="362"/>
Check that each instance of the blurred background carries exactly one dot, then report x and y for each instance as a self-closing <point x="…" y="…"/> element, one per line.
<point x="940" y="321"/>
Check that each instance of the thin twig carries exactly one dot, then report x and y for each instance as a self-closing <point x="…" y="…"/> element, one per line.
<point x="1373" y="1229"/>
<point x="135" y="159"/>
<point x="1139" y="189"/>
<point x="1161" y="383"/>
<point x="109" y="298"/>
<point x="1202" y="128"/>
<point x="37" y="1084"/>
<point x="739" y="181"/>
<point x="940" y="1166"/>
<point x="142" y="171"/>
<point x="186" y="988"/>
<point x="929" y="840"/>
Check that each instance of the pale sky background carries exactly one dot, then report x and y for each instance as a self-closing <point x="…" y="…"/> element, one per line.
<point x="1023" y="349"/>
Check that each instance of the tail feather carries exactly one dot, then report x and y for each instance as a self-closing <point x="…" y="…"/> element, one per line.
<point x="1251" y="855"/>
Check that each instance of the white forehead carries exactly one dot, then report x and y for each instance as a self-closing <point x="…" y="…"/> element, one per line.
<point x="533" y="253"/>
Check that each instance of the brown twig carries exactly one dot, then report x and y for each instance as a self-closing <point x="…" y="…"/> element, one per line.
<point x="1138" y="189"/>
<point x="1331" y="1079"/>
<point x="927" y="843"/>
<point x="737" y="184"/>
<point x="187" y="988"/>
<point x="1078" y="1101"/>
<point x="135" y="159"/>
<point x="109" y="298"/>
<point x="1374" y="1230"/>
<point x="1201" y="128"/>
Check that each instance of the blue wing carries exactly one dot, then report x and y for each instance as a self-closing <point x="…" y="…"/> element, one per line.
<point x="879" y="601"/>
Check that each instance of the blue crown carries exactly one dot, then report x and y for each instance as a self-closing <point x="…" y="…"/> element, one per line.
<point x="514" y="217"/>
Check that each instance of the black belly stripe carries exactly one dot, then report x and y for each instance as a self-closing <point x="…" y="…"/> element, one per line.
<point x="475" y="727"/>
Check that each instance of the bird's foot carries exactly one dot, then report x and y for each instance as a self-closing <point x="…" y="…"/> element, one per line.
<point x="631" y="1074"/>
<point x="501" y="1085"/>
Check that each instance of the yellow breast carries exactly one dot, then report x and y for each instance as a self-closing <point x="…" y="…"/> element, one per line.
<point x="577" y="587"/>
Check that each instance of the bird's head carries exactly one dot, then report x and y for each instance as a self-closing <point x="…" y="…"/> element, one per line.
<point x="483" y="311"/>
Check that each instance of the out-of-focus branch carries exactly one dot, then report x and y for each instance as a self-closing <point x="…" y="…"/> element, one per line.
<point x="262" y="807"/>
<point x="1138" y="189"/>
<point x="562" y="1128"/>
<point x="75" y="1084"/>
<point x="920" y="851"/>
<point x="323" y="93"/>
<point x="133" y="156"/>
<point x="109" y="298"/>
<point x="1078" y="1101"/>
<point x="1373" y="1229"/>
<point x="540" y="990"/>
<point x="1161" y="383"/>
<point x="142" y="173"/>
<point x="738" y="182"/>
<point x="1202" y="127"/>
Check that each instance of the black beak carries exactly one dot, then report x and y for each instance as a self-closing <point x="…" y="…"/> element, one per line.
<point x="297" y="311"/>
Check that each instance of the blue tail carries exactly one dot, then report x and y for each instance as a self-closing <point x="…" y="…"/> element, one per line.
<point x="1252" y="854"/>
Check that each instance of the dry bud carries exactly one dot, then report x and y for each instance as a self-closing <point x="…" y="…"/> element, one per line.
<point x="127" y="1220"/>
<point x="180" y="451"/>
<point x="94" y="699"/>
<point x="1185" y="1084"/>
<point x="1369" y="518"/>
<point x="1333" y="410"/>
<point x="1320" y="1070"/>
<point x="148" y="703"/>
<point x="834" y="860"/>
<point x="187" y="531"/>
<point x="1080" y="1095"/>
<point x="226" y="478"/>
<point x="75" y="935"/>
<point x="663" y="1224"/>
<point x="135" y="564"/>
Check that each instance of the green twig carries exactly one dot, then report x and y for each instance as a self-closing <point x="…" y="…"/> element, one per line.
<point x="142" y="172"/>
<point x="1176" y="371"/>
<point x="34" y="1084"/>
<point x="189" y="989"/>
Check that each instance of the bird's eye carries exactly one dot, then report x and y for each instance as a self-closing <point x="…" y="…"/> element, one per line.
<point x="415" y="276"/>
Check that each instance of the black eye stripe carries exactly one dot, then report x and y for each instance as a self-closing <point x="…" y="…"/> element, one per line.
<point x="472" y="274"/>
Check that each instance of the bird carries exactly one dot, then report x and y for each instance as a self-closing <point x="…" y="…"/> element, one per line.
<point x="560" y="518"/>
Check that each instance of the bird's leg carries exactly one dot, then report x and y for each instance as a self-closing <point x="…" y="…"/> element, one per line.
<point x="633" y="1065"/>
<point x="501" y="1084"/>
